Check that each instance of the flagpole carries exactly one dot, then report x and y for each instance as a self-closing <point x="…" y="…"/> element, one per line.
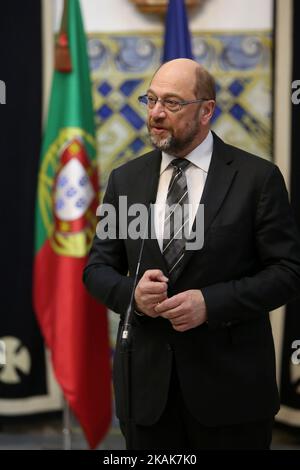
<point x="67" y="432"/>
<point x="69" y="147"/>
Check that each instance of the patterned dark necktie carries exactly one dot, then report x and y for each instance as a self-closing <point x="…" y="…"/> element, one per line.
<point x="176" y="218"/>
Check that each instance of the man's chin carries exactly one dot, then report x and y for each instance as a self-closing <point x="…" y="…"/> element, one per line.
<point x="161" y="144"/>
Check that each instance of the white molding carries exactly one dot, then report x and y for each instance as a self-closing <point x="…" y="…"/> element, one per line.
<point x="53" y="401"/>
<point x="289" y="416"/>
<point x="47" y="53"/>
<point x="123" y="16"/>
<point x="282" y="154"/>
<point x="283" y="89"/>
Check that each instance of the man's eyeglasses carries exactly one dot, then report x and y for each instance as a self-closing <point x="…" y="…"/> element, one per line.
<point x="171" y="105"/>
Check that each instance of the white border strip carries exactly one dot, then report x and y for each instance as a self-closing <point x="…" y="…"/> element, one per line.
<point x="282" y="156"/>
<point x="48" y="53"/>
<point x="289" y="416"/>
<point x="282" y="129"/>
<point x="53" y="401"/>
<point x="283" y="86"/>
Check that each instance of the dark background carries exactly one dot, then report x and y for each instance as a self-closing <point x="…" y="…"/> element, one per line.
<point x="20" y="139"/>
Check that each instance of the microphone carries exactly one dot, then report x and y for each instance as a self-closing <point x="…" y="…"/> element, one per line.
<point x="125" y="335"/>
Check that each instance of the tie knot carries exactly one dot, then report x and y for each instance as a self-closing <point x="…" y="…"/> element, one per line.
<point x="180" y="163"/>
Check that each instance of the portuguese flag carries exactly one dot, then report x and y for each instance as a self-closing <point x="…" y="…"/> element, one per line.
<point x="73" y="324"/>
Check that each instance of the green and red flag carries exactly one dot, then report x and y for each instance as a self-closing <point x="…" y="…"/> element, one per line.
<point x="74" y="325"/>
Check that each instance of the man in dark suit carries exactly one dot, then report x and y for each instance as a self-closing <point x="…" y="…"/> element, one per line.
<point x="203" y="367"/>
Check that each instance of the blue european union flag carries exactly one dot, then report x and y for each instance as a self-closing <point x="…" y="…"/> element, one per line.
<point x="177" y="36"/>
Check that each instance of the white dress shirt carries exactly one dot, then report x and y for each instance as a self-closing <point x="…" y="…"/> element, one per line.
<point x="196" y="174"/>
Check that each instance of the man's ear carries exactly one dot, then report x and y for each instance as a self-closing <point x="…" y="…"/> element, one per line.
<point x="208" y="110"/>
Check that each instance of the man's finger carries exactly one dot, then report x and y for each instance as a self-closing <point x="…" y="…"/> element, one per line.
<point x="180" y="321"/>
<point x="168" y="304"/>
<point x="155" y="275"/>
<point x="172" y="314"/>
<point x="153" y="287"/>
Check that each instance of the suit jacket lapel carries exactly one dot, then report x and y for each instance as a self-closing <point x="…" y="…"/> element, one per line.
<point x="219" y="179"/>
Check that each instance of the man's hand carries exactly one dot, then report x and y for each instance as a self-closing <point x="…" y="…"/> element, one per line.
<point x="185" y="310"/>
<point x="151" y="289"/>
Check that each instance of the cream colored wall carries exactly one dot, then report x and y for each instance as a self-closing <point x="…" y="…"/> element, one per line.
<point x="216" y="15"/>
<point x="122" y="15"/>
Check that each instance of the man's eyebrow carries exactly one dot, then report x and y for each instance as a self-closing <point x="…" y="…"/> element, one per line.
<point x="166" y="95"/>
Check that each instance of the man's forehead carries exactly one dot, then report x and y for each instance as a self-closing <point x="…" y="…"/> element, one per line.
<point x="172" y="82"/>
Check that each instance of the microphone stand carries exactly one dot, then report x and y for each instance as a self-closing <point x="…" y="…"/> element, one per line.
<point x="126" y="347"/>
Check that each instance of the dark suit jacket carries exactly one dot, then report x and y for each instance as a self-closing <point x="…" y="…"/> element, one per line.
<point x="249" y="265"/>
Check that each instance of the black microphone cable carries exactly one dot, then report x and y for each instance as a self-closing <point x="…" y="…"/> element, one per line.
<point x="125" y="336"/>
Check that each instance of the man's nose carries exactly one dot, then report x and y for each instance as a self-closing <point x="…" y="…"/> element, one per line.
<point x="158" y="110"/>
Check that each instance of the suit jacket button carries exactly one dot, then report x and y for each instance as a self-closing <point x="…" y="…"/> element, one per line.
<point x="169" y="347"/>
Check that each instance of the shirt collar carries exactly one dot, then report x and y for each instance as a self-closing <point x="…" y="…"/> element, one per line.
<point x="200" y="156"/>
